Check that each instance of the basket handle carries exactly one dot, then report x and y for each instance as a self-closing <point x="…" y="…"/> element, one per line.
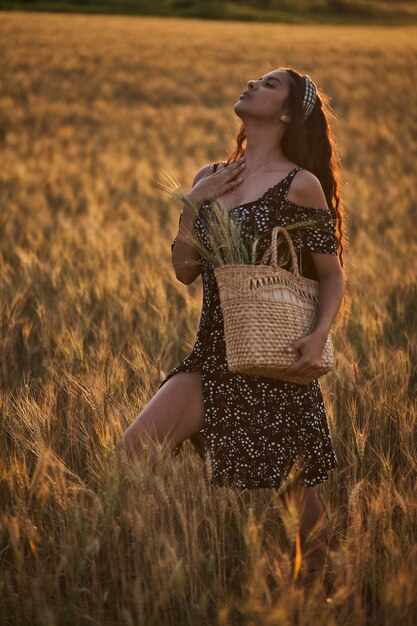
<point x="272" y="250"/>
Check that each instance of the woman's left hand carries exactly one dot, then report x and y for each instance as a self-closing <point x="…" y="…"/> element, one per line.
<point x="311" y="347"/>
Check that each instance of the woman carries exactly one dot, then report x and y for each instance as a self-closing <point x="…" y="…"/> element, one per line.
<point x="253" y="428"/>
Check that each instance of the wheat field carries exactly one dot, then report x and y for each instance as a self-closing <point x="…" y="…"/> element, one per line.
<point x="92" y="110"/>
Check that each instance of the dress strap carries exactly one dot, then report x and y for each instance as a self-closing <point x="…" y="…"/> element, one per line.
<point x="289" y="178"/>
<point x="293" y="172"/>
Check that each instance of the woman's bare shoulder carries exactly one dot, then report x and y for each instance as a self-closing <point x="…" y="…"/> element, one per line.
<point x="306" y="190"/>
<point x="206" y="169"/>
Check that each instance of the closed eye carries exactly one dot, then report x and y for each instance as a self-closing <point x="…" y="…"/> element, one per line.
<point x="268" y="84"/>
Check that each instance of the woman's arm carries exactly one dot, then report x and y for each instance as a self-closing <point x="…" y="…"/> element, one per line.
<point x="182" y="250"/>
<point x="308" y="192"/>
<point x="331" y="289"/>
<point x="212" y="187"/>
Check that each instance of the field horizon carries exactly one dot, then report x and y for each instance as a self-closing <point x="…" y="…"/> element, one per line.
<point x="336" y="12"/>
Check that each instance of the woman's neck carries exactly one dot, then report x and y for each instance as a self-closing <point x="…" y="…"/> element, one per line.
<point x="263" y="145"/>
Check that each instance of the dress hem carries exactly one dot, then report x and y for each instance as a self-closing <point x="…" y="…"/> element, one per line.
<point x="310" y="483"/>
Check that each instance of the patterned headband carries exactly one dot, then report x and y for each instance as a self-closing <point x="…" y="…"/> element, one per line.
<point x="310" y="95"/>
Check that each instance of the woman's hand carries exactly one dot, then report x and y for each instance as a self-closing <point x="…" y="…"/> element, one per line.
<point x="215" y="184"/>
<point x="311" y="347"/>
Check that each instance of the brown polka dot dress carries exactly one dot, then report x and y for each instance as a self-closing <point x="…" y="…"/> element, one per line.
<point x="256" y="428"/>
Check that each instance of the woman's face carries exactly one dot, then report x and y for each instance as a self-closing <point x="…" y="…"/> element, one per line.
<point x="263" y="98"/>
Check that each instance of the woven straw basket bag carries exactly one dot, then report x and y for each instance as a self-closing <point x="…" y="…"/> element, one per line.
<point x="265" y="308"/>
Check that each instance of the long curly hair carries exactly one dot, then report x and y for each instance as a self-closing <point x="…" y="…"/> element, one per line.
<point x="310" y="144"/>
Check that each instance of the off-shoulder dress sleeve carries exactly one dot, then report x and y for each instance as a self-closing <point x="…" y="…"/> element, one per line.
<point x="319" y="237"/>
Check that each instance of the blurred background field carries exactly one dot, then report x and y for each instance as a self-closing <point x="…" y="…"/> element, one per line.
<point x="92" y="110"/>
<point x="400" y="12"/>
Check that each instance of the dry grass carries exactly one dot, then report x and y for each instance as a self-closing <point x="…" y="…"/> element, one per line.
<point x="92" y="109"/>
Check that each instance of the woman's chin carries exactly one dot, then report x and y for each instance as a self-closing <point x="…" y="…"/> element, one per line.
<point x="238" y="106"/>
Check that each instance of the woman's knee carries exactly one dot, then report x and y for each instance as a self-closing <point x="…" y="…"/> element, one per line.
<point x="175" y="413"/>
<point x="128" y="445"/>
<point x="136" y="437"/>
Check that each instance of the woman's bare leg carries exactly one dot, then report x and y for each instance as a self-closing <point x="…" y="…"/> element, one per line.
<point x="310" y="512"/>
<point x="173" y="414"/>
<point x="309" y="506"/>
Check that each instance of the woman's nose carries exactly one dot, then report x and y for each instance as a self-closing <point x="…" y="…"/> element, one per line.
<point x="250" y="84"/>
